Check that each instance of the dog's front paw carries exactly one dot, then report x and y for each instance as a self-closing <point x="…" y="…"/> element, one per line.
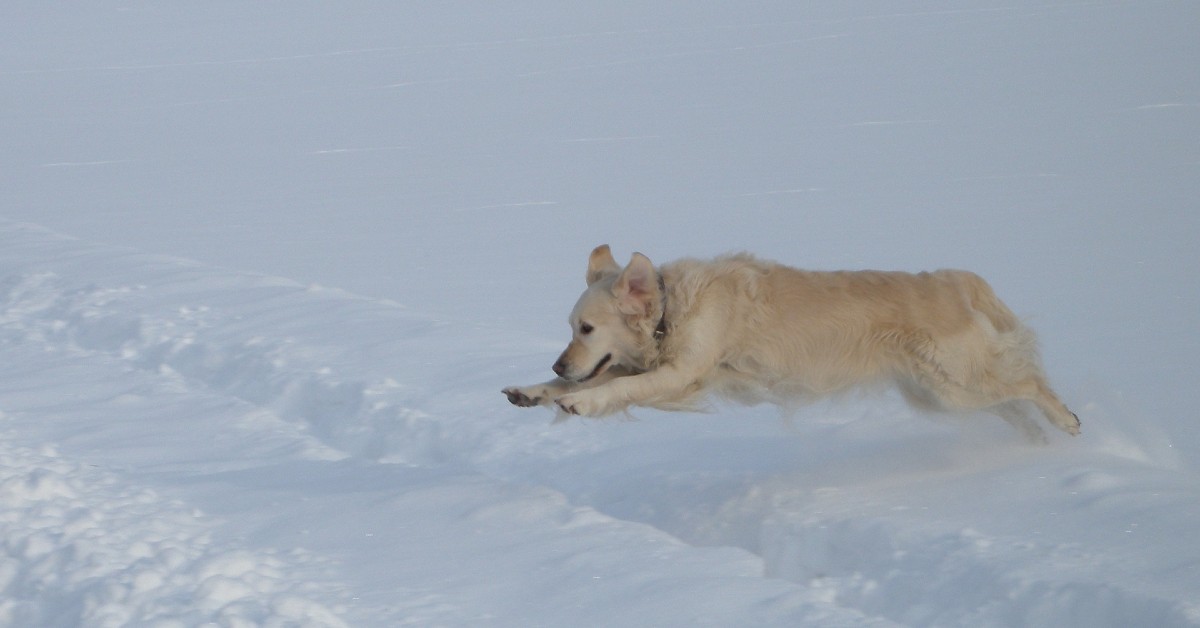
<point x="524" y="397"/>
<point x="583" y="403"/>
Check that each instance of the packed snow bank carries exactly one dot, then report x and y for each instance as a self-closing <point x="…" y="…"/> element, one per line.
<point x="184" y="443"/>
<point x="84" y="547"/>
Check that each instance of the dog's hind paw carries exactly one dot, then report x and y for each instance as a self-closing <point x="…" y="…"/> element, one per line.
<point x="1073" y="429"/>
<point x="520" y="398"/>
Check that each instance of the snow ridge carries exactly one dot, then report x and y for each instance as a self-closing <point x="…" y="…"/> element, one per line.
<point x="82" y="548"/>
<point x="267" y="342"/>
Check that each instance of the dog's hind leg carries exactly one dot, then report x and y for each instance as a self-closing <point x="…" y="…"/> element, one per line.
<point x="1013" y="370"/>
<point x="1015" y="415"/>
<point x="927" y="398"/>
<point x="958" y="386"/>
<point x="941" y="380"/>
<point x="1052" y="407"/>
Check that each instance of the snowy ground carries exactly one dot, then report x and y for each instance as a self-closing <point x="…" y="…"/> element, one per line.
<point x="264" y="272"/>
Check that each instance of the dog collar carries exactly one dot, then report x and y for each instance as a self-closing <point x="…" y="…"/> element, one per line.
<point x="660" y="332"/>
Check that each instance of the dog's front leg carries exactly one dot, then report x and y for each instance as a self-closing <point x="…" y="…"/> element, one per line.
<point x="546" y="393"/>
<point x="662" y="386"/>
<point x="538" y="394"/>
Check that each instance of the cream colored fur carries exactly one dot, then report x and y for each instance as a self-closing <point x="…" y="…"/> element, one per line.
<point x="754" y="331"/>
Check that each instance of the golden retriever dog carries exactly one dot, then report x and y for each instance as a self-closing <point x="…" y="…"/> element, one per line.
<point x="753" y="331"/>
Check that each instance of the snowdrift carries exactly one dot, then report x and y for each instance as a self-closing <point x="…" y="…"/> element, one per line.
<point x="183" y="444"/>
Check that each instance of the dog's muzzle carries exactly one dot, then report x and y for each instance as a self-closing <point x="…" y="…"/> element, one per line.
<point x="599" y="367"/>
<point x="560" y="368"/>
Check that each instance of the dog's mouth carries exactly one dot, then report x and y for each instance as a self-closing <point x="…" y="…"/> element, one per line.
<point x="599" y="367"/>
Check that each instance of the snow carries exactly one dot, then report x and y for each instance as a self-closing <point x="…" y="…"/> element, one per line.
<point x="263" y="272"/>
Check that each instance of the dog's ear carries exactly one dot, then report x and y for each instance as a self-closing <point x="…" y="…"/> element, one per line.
<point x="601" y="263"/>
<point x="636" y="289"/>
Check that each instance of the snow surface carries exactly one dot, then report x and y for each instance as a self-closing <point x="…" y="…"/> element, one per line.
<point x="264" y="269"/>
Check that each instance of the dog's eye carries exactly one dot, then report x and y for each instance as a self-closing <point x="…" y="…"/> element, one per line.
<point x="585" y="329"/>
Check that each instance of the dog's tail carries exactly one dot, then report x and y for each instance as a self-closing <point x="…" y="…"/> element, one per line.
<point x="1014" y="347"/>
<point x="985" y="301"/>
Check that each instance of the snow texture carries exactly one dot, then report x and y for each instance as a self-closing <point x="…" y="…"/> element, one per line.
<point x="264" y="270"/>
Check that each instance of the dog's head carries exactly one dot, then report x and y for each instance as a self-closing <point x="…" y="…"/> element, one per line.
<point x="614" y="320"/>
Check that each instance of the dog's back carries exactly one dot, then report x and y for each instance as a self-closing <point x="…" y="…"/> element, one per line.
<point x="810" y="332"/>
<point x="943" y="337"/>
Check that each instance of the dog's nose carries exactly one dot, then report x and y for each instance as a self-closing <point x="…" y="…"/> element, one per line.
<point x="559" y="368"/>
